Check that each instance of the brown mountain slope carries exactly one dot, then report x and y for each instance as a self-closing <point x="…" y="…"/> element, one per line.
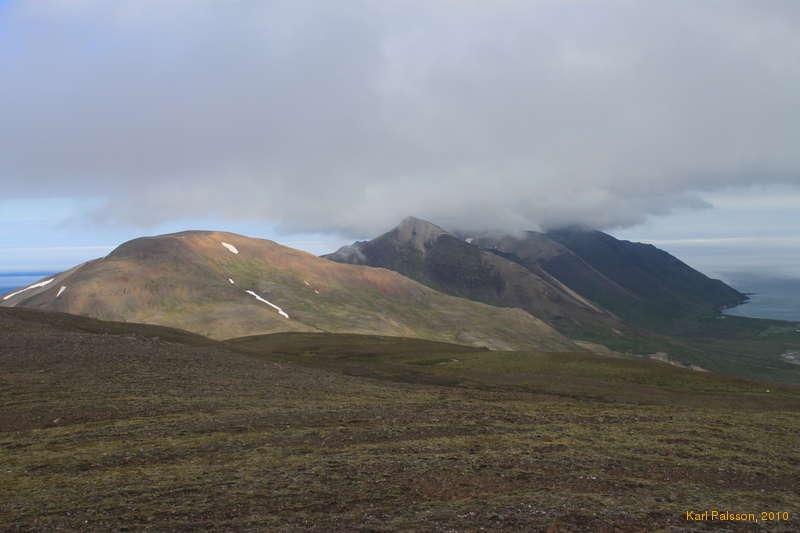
<point x="224" y="285"/>
<point x="430" y="255"/>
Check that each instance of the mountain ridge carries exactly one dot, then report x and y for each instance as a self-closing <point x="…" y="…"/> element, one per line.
<point x="224" y="285"/>
<point x="426" y="253"/>
<point x="619" y="280"/>
<point x="669" y="288"/>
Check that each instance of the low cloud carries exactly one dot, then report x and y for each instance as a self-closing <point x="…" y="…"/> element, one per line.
<point x="347" y="116"/>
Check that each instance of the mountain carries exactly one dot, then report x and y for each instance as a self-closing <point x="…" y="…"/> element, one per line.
<point x="460" y="267"/>
<point x="579" y="281"/>
<point x="224" y="285"/>
<point x="537" y="252"/>
<point x="657" y="285"/>
<point x="626" y="296"/>
<point x="635" y="281"/>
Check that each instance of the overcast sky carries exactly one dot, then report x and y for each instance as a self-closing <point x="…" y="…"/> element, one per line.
<point x="318" y="122"/>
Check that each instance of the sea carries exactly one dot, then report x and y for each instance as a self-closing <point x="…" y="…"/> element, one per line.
<point x="770" y="296"/>
<point x="18" y="280"/>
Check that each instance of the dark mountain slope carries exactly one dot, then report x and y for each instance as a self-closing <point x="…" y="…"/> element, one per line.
<point x="428" y="254"/>
<point x="538" y="253"/>
<point x="638" y="282"/>
<point x="667" y="287"/>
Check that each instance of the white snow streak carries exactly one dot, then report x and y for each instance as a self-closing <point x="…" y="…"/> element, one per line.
<point x="469" y="240"/>
<point x="232" y="282"/>
<point x="231" y="248"/>
<point x="61" y="290"/>
<point x="29" y="287"/>
<point x="260" y="299"/>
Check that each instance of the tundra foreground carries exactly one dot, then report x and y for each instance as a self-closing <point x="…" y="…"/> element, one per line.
<point x="120" y="427"/>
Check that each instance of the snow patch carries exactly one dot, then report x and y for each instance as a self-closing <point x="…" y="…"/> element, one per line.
<point x="260" y="299"/>
<point x="231" y="248"/>
<point x="61" y="290"/>
<point x="29" y="287"/>
<point x="469" y="240"/>
<point x="231" y="281"/>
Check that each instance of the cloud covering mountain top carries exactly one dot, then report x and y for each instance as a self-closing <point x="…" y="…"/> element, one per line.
<point x="348" y="116"/>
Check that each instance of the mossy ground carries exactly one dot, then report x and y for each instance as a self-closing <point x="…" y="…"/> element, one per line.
<point x="732" y="345"/>
<point x="152" y="431"/>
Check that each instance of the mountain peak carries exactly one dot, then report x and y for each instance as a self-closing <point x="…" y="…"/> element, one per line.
<point x="417" y="231"/>
<point x="572" y="229"/>
<point x="349" y="253"/>
<point x="457" y="265"/>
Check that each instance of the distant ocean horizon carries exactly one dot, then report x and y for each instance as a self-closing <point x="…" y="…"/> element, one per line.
<point x="17" y="280"/>
<point x="772" y="297"/>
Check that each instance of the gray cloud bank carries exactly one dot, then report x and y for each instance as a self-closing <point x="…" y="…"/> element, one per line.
<point x="350" y="115"/>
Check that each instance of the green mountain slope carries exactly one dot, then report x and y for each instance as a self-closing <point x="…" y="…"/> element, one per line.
<point x="607" y="378"/>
